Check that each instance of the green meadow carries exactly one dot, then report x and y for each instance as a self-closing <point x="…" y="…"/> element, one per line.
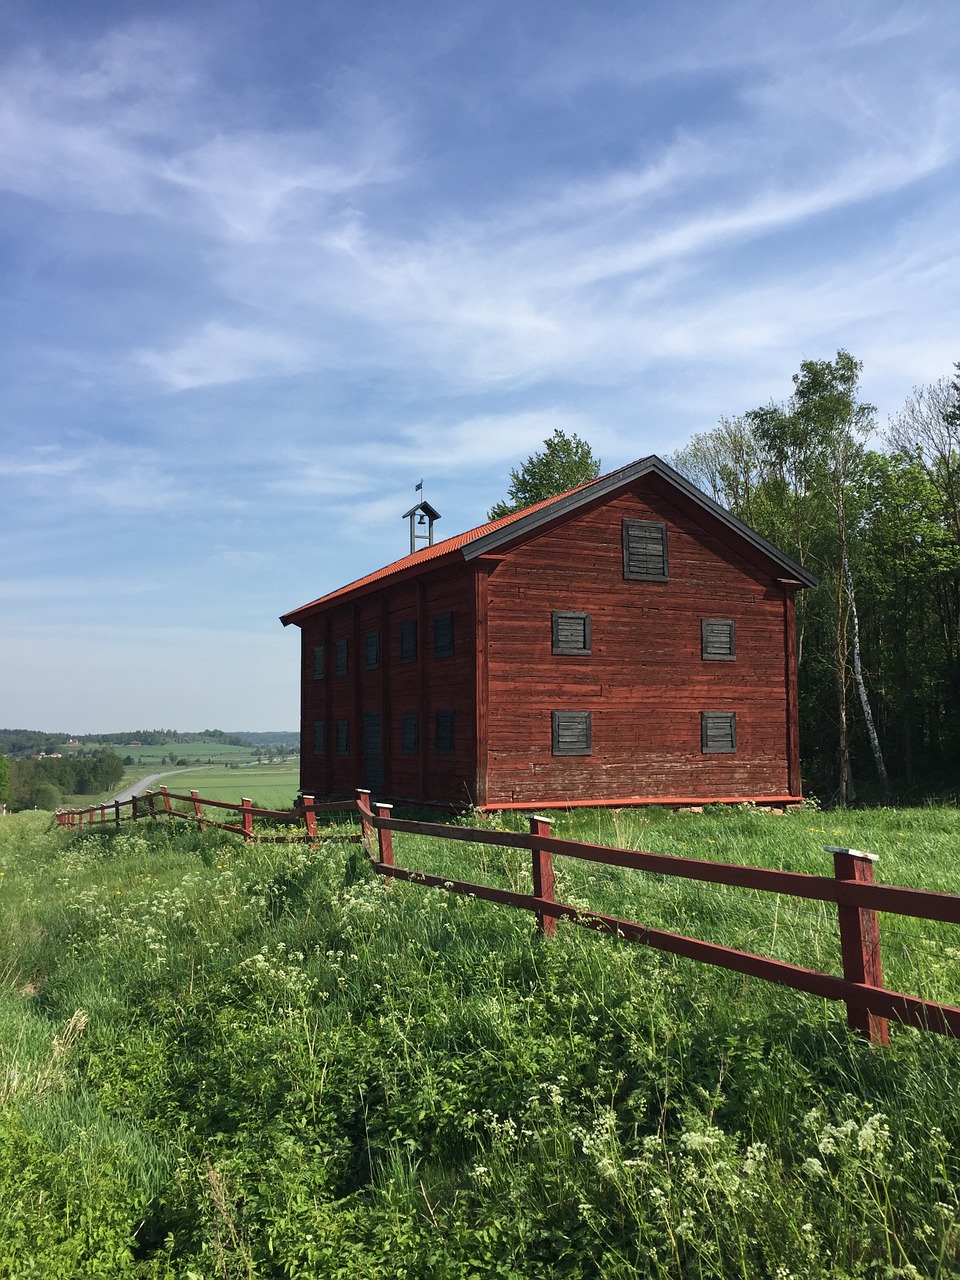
<point x="230" y="1060"/>
<point x="270" y="786"/>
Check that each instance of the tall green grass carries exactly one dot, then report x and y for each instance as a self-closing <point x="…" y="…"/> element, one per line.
<point x="222" y="1060"/>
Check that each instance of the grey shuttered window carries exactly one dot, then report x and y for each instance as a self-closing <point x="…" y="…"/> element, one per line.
<point x="410" y="733"/>
<point x="717" y="640"/>
<point x="371" y="650"/>
<point x="571" y="632"/>
<point x="342" y="728"/>
<point x="371" y="750"/>
<point x="645" y="550"/>
<point x="718" y="732"/>
<point x="341" y="657"/>
<point x="408" y="640"/>
<point x="319" y="738"/>
<point x="319" y="662"/>
<point x="572" y="733"/>
<point x="445" y="733"/>
<point x="443" y="635"/>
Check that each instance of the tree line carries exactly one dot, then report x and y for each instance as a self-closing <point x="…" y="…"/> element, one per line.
<point x="879" y="639"/>
<point x="42" y="784"/>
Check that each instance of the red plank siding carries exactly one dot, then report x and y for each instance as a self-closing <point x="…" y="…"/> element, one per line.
<point x="645" y="680"/>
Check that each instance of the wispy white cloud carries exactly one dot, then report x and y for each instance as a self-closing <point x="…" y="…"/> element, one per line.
<point x="221" y="353"/>
<point x="40" y="460"/>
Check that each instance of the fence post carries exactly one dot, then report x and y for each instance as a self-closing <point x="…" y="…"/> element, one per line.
<point x="363" y="804"/>
<point x="197" y="808"/>
<point x="103" y="815"/>
<point x="133" y="808"/>
<point x="116" y="812"/>
<point x="860" y="941"/>
<point x="543" y="886"/>
<point x="90" y="816"/>
<point x="151" y="805"/>
<point x="166" y="801"/>
<point x="246" y="804"/>
<point x="309" y="816"/>
<point x="384" y="836"/>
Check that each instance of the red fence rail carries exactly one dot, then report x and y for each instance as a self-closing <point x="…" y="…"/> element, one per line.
<point x="869" y="1003"/>
<point x="160" y="804"/>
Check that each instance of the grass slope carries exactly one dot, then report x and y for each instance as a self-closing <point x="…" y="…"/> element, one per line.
<point x="231" y="1061"/>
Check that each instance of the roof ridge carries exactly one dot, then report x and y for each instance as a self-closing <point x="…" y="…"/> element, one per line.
<point x="491" y="536"/>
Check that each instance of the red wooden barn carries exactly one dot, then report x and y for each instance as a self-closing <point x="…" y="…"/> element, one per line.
<point x="627" y="641"/>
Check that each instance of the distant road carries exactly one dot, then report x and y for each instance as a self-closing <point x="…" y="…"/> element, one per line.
<point x="144" y="783"/>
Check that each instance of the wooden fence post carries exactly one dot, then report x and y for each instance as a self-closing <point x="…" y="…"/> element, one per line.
<point x="309" y="816"/>
<point x="151" y="805"/>
<point x="103" y="815"/>
<point x="543" y="884"/>
<point x="363" y="804"/>
<point x="246" y="804"/>
<point x="168" y="807"/>
<point x="90" y="816"/>
<point x="197" y="808"/>
<point x="134" y="814"/>
<point x="860" y="941"/>
<point x="385" y="837"/>
<point x="116" y="812"/>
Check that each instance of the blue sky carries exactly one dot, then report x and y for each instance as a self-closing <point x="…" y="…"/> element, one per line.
<point x="265" y="266"/>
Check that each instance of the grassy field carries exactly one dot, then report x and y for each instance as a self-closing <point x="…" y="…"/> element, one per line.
<point x="148" y="757"/>
<point x="223" y="1060"/>
<point x="213" y="758"/>
<point x="270" y="786"/>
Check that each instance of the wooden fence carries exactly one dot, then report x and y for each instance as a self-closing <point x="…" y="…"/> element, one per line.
<point x="869" y="1003"/>
<point x="160" y="804"/>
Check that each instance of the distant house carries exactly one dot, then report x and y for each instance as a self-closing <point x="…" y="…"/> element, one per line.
<point x="627" y="641"/>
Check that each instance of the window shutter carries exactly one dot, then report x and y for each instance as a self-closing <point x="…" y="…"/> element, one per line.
<point x="371" y="745"/>
<point x="319" y="738"/>
<point x="443" y="635"/>
<point x="408" y="640"/>
<point x="718" y="732"/>
<point x="717" y="640"/>
<point x="571" y="633"/>
<point x="410" y="733"/>
<point x="371" y="650"/>
<point x="318" y="662"/>
<point x="341" y="657"/>
<point x="444" y="733"/>
<point x="343" y="737"/>
<point x="645" y="550"/>
<point x="572" y="733"/>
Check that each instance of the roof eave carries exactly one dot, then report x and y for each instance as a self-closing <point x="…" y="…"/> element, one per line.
<point x="296" y="616"/>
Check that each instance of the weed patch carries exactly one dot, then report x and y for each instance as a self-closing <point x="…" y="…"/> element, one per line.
<point x="222" y="1060"/>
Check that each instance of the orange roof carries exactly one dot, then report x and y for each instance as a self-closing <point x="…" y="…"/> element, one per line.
<point x="436" y="552"/>
<point x="496" y="533"/>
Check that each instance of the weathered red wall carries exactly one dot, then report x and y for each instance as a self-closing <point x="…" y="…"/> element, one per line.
<point x="426" y="686"/>
<point x="645" y="681"/>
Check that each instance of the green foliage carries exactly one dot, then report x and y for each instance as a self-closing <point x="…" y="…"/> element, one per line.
<point x="564" y="463"/>
<point x="882" y="530"/>
<point x="221" y="1060"/>
<point x="42" y="783"/>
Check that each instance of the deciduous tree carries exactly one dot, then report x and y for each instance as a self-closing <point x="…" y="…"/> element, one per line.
<point x="564" y="463"/>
